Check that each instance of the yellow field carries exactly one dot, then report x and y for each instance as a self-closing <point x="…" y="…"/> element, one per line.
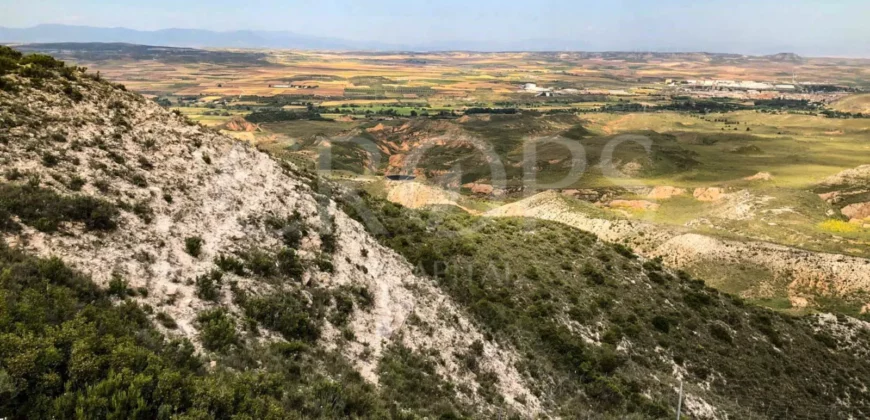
<point x="854" y="104"/>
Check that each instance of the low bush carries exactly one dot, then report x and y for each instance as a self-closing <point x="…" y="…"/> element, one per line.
<point x="73" y="93"/>
<point x="260" y="263"/>
<point x="76" y="183"/>
<point x="41" y="60"/>
<point x="193" y="246"/>
<point x="50" y="160"/>
<point x="720" y="332"/>
<point x="624" y="251"/>
<point x="166" y="320"/>
<point x="208" y="286"/>
<point x="118" y="286"/>
<point x="412" y="382"/>
<point x="217" y="330"/>
<point x="328" y="242"/>
<point x="230" y="264"/>
<point x="289" y="264"/>
<point x="287" y="312"/>
<point x="45" y="210"/>
<point x="662" y="323"/>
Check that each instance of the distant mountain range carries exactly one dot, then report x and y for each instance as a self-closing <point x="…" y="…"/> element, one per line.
<point x="199" y="38"/>
<point x="181" y="38"/>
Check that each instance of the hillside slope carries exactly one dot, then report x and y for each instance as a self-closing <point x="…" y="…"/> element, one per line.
<point x="856" y="104"/>
<point x="605" y="331"/>
<point x="191" y="222"/>
<point x="800" y="275"/>
<point x="151" y="268"/>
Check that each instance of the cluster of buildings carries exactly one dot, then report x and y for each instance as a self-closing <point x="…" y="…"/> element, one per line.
<point x="294" y="86"/>
<point x="733" y="85"/>
<point x="542" y="91"/>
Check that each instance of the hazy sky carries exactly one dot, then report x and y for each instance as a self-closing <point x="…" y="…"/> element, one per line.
<point x="834" y="27"/>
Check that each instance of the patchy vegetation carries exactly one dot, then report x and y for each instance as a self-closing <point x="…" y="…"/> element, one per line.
<point x="46" y="210"/>
<point x="610" y="329"/>
<point x="66" y="350"/>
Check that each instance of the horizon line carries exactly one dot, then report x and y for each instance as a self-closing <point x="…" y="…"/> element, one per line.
<point x="399" y="49"/>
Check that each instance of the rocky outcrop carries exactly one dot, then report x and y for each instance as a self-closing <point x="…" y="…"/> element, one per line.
<point x="857" y="212"/>
<point x="665" y="192"/>
<point x="849" y="177"/>
<point x="709" y="194"/>
<point x="241" y="124"/>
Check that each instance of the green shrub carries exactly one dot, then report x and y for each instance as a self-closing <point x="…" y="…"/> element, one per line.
<point x="116" y="157"/>
<point x="68" y="73"/>
<point x="35" y="73"/>
<point x="50" y="160"/>
<point x="166" y="320"/>
<point x="143" y="210"/>
<point x="73" y="93"/>
<point x="826" y="339"/>
<point x="324" y="263"/>
<point x="76" y="183"/>
<point x="290" y="348"/>
<point x="662" y="323"/>
<point x="697" y="300"/>
<point x="624" y="251"/>
<point x="653" y="264"/>
<point x="230" y="264"/>
<point x="328" y="242"/>
<point x="412" y="382"/>
<point x="292" y="229"/>
<point x="343" y="308"/>
<point x="76" y="343"/>
<point x="720" y="332"/>
<point x="363" y="297"/>
<point x="118" y="286"/>
<point x="289" y="264"/>
<point x="7" y="65"/>
<point x="286" y="312"/>
<point x="41" y="60"/>
<point x="13" y="174"/>
<point x="102" y="186"/>
<point x="45" y="210"/>
<point x="260" y="263"/>
<point x="139" y="180"/>
<point x="208" y="286"/>
<point x="11" y="54"/>
<point x="217" y="330"/>
<point x="193" y="246"/>
<point x="8" y="86"/>
<point x="656" y="277"/>
<point x="593" y="275"/>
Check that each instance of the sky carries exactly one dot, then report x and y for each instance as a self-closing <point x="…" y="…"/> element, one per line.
<point x="833" y="27"/>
